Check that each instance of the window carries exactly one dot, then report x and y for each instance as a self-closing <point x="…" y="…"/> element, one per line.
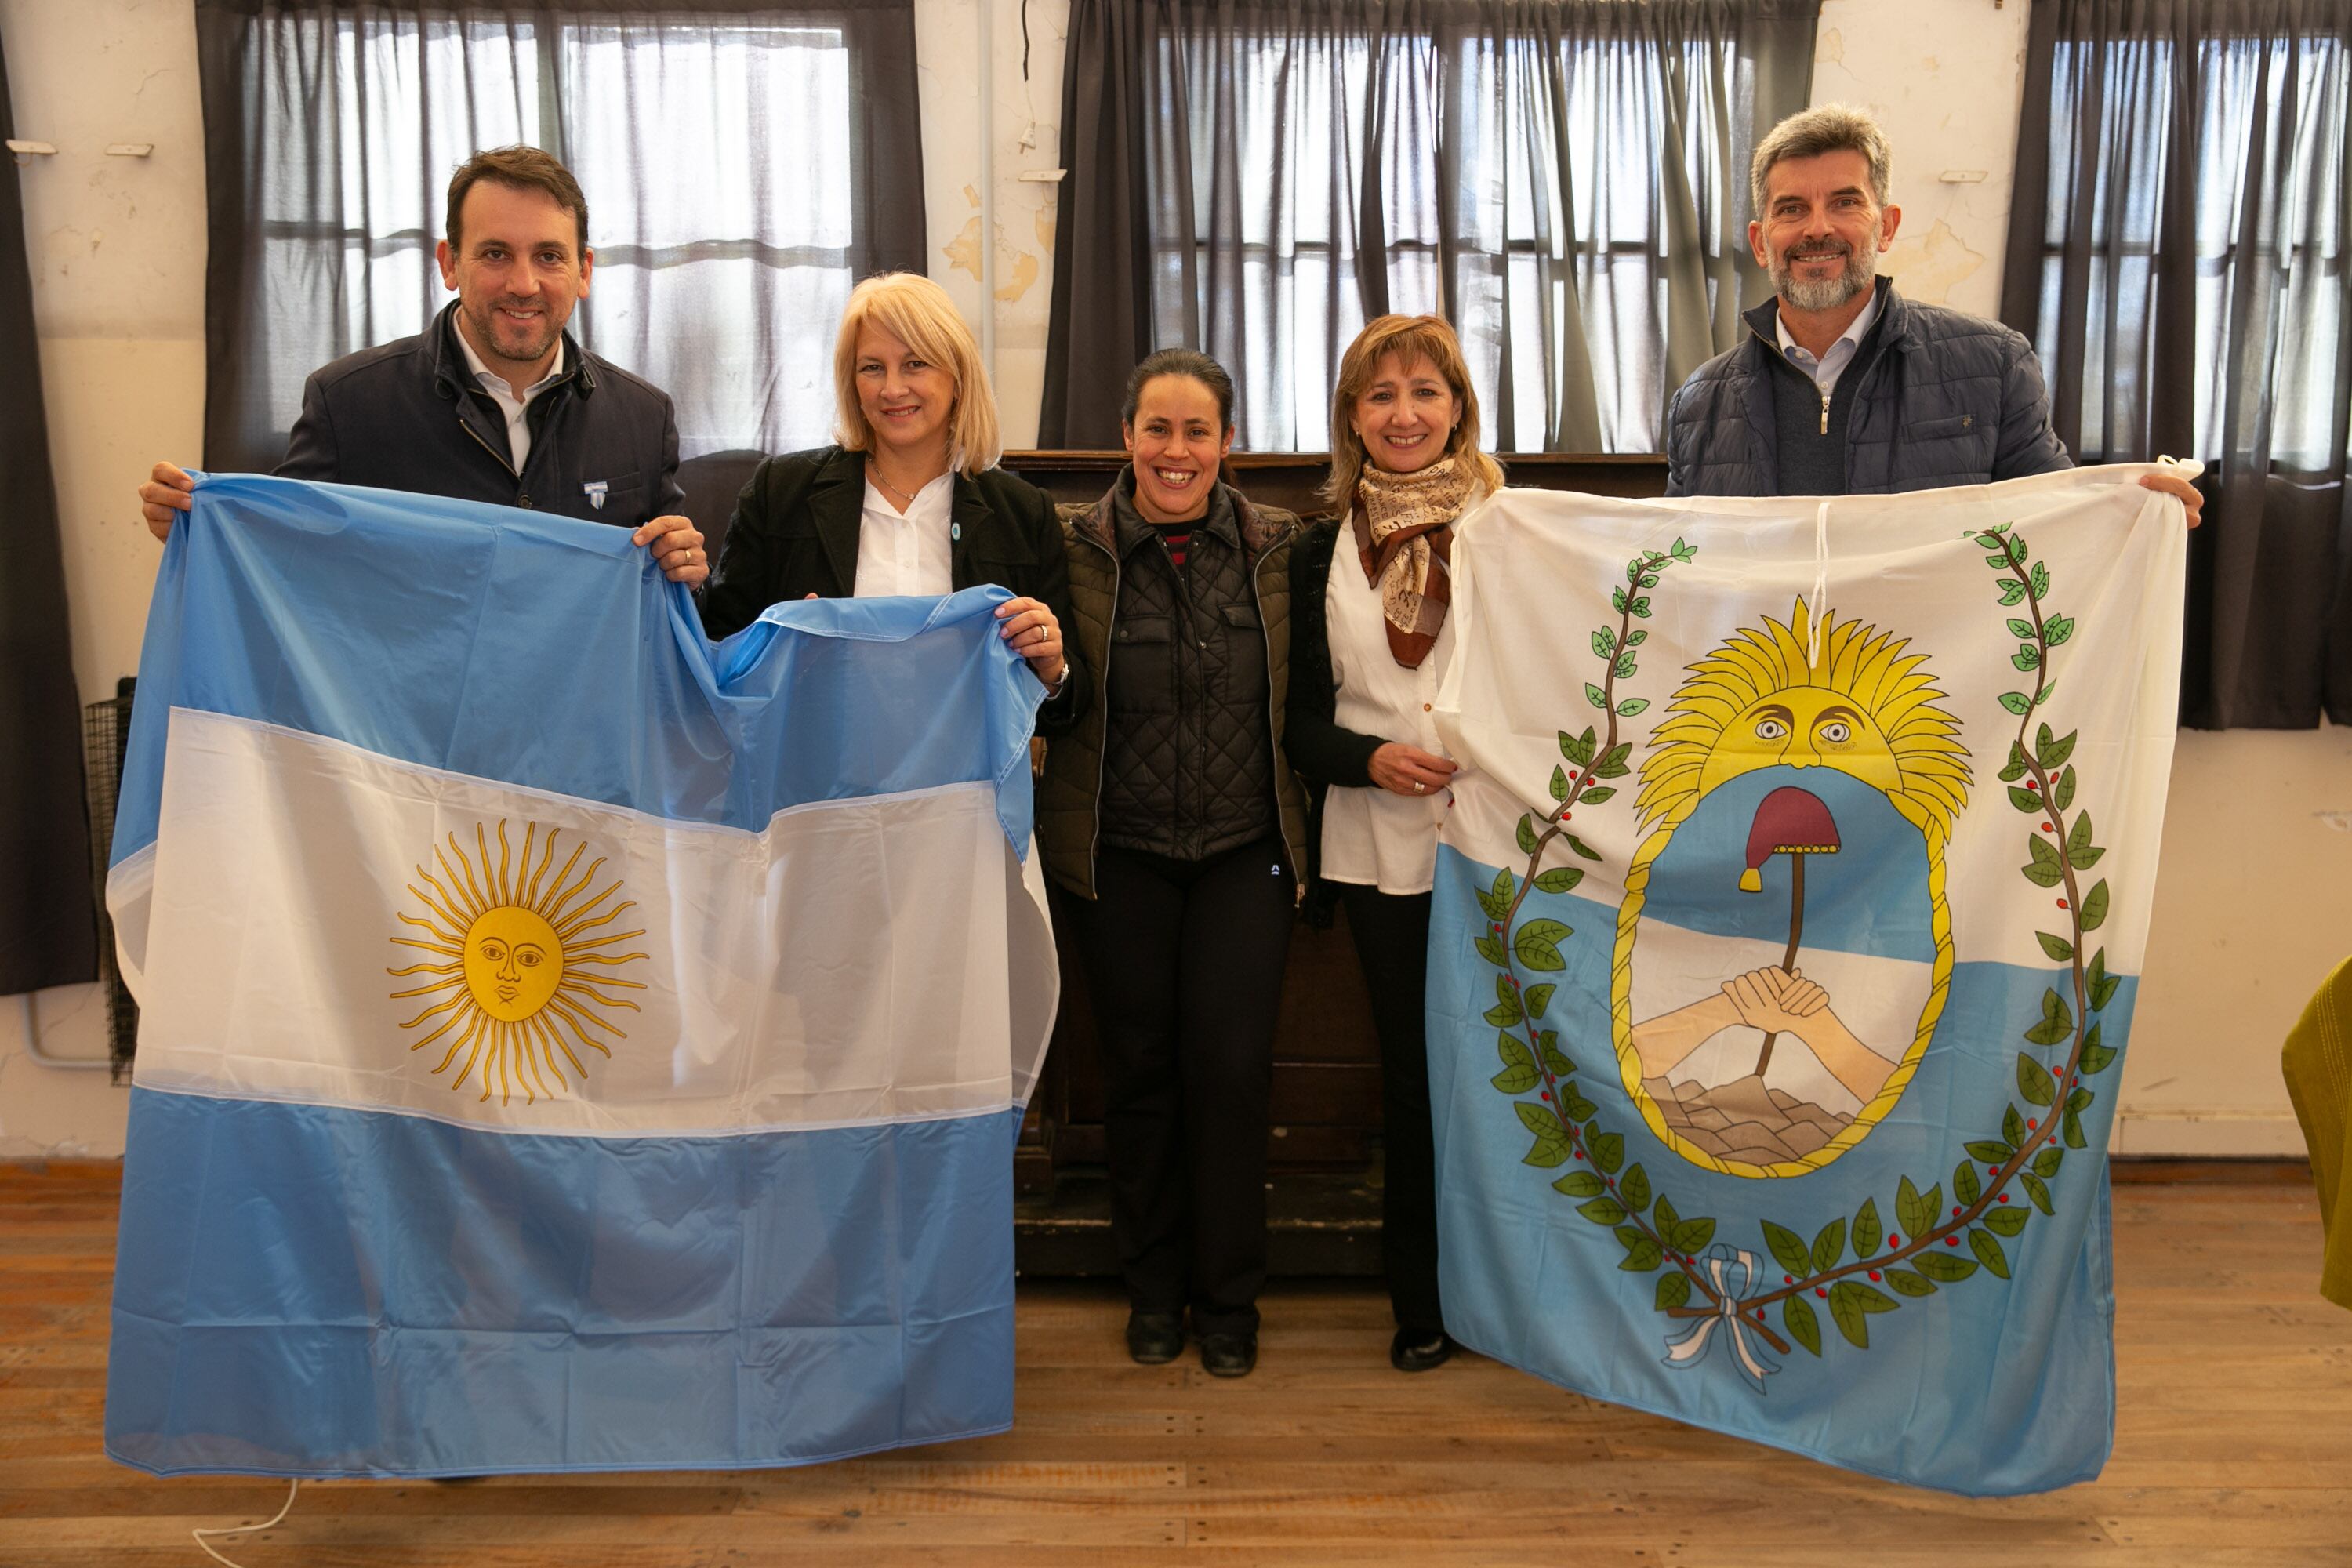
<point x="743" y="169"/>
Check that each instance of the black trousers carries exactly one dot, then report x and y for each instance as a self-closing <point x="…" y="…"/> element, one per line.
<point x="1391" y="932"/>
<point x="1185" y="959"/>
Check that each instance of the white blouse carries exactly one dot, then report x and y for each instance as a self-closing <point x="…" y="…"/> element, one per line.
<point x="1372" y="836"/>
<point x="912" y="555"/>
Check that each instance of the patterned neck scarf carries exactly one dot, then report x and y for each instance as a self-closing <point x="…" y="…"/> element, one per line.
<point x="1404" y="537"/>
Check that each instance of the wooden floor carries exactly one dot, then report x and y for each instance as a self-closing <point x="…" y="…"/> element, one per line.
<point x="2234" y="1448"/>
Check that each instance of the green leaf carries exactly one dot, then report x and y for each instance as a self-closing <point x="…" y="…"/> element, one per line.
<point x="1797" y="1317"/>
<point x="1966" y="1188"/>
<point x="2062" y="794"/>
<point x="2057" y="1022"/>
<point x="1643" y="1253"/>
<point x="1517" y="1080"/>
<point x="1665" y="1218"/>
<point x="1867" y="1230"/>
<point x="2013" y="1127"/>
<point x="2059" y="630"/>
<point x="2027" y="658"/>
<point x="1581" y="846"/>
<point x="1612" y="764"/>
<point x="1535" y="999"/>
<point x="1617" y="600"/>
<point x="1602" y="1211"/>
<point x="1682" y="551"/>
<point x="1915" y="1214"/>
<point x="2012" y="591"/>
<point x="2070" y="1129"/>
<point x="2053" y="753"/>
<point x="1576" y="750"/>
<point x="1636" y="638"/>
<point x="1633" y="1188"/>
<point x="1632" y="706"/>
<point x="2095" y="1057"/>
<point x="2047" y="870"/>
<point x="1505" y="1010"/>
<point x="2080" y="1100"/>
<point x="2046" y="1162"/>
<point x="1642" y="608"/>
<point x="2004" y="1221"/>
<point x="2037" y="1189"/>
<point x="1907" y="1283"/>
<point x="1558" y="787"/>
<point x="1605" y="643"/>
<point x="2017" y="763"/>
<point x="1576" y="1105"/>
<point x="2057" y="947"/>
<point x="2025" y="800"/>
<point x="1528" y="841"/>
<point x="2049" y="690"/>
<point x="1991" y="1151"/>
<point x="1536" y="944"/>
<point x="1514" y="1051"/>
<point x="1649" y="580"/>
<point x="1595" y="696"/>
<point x="2102" y="985"/>
<point x="1997" y="561"/>
<point x="2041" y="579"/>
<point x="1559" y="880"/>
<point x="1851" y="1303"/>
<point x="1539" y="1120"/>
<point x="2079" y="850"/>
<point x="1608" y="1150"/>
<point x="1788" y="1247"/>
<point x="1633" y="570"/>
<point x="1693" y="1234"/>
<point x="1595" y="796"/>
<point x="1552" y="1056"/>
<point x="1674" y="1290"/>
<point x="1989" y="1252"/>
<point x="1943" y="1266"/>
<point x="1496" y="901"/>
<point x="1489" y="949"/>
<point x="2095" y="906"/>
<point x="1580" y="1185"/>
<point x="2017" y="703"/>
<point x="1547" y="1153"/>
<point x="2020" y="628"/>
<point x="2033" y="1080"/>
<point x="1828" y="1247"/>
<point x="1624" y="670"/>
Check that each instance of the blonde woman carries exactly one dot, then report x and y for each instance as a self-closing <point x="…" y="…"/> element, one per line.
<point x="1370" y="646"/>
<point x="910" y="501"/>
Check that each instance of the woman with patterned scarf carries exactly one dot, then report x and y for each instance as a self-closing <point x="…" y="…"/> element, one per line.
<point x="1369" y="646"/>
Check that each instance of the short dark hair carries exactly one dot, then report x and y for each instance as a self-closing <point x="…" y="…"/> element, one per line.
<point x="526" y="169"/>
<point x="1180" y="361"/>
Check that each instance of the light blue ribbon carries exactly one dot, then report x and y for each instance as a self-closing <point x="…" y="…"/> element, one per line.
<point x="1731" y="1271"/>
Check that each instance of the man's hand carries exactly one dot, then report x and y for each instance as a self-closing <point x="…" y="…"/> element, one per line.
<point x="1773" y="999"/>
<point x="2171" y="484"/>
<point x="168" y="492"/>
<point x="676" y="546"/>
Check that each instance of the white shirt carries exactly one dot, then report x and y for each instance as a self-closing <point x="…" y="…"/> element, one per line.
<point x="1372" y="836"/>
<point x="503" y="392"/>
<point x="1826" y="369"/>
<point x="908" y="555"/>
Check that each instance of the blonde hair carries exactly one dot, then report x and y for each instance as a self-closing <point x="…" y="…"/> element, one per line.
<point x="1408" y="337"/>
<point x="918" y="313"/>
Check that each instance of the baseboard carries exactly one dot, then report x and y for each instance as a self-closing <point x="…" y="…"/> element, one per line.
<point x="2216" y="1134"/>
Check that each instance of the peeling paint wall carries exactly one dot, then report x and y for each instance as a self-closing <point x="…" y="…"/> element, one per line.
<point x="1944" y="80"/>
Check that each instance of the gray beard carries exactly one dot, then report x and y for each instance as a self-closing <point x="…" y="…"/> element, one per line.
<point x="1828" y="293"/>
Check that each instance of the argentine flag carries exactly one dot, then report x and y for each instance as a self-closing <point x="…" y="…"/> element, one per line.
<point x="565" y="1044"/>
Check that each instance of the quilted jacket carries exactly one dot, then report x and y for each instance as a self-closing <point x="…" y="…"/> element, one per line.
<point x="1946" y="399"/>
<point x="1182" y="753"/>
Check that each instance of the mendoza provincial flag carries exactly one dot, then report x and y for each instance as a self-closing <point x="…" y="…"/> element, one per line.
<point x="565" y="1045"/>
<point x="1788" y="923"/>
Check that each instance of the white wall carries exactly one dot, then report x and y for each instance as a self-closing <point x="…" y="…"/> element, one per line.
<point x="2255" y="898"/>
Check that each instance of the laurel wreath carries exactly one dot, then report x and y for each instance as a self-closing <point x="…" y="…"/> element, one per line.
<point x="1849" y="1256"/>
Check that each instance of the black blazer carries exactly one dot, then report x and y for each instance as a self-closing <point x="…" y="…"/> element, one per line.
<point x="794" y="532"/>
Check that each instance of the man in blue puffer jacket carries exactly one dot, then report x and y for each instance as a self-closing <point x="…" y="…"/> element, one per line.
<point x="1841" y="386"/>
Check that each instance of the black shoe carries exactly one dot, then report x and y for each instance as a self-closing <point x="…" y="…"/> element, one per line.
<point x="1418" y="1350"/>
<point x="1228" y="1355"/>
<point x="1154" y="1339"/>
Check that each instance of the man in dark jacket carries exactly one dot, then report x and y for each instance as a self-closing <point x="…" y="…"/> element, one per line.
<point x="495" y="401"/>
<point x="1841" y="386"/>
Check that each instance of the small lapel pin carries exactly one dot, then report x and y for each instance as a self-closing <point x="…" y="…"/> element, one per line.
<point x="955" y="530"/>
<point x="594" y="490"/>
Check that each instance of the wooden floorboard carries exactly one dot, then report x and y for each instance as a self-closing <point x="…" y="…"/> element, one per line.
<point x="2233" y="1447"/>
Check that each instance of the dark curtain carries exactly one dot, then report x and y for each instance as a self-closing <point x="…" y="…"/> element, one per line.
<point x="2181" y="253"/>
<point x="745" y="162"/>
<point x="48" y="927"/>
<point x="1564" y="180"/>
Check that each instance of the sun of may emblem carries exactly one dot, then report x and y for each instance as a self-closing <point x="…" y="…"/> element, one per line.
<point x="1752" y="1043"/>
<point x="524" y="959"/>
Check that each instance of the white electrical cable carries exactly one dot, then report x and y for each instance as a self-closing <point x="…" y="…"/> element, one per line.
<point x="291" y="1488"/>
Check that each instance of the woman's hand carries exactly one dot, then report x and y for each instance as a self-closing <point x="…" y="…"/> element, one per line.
<point x="168" y="492"/>
<point x="1035" y="635"/>
<point x="1408" y="770"/>
<point x="676" y="546"/>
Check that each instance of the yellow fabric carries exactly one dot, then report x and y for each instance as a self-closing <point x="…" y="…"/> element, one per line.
<point x="2318" y="1063"/>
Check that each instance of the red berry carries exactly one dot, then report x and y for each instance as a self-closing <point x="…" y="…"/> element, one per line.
<point x="1874" y="1274"/>
<point x="2047" y="828"/>
<point x="2034" y="784"/>
<point x="2062" y="903"/>
<point x="1951" y="1241"/>
<point x="1824" y="1294"/>
<point x="1564" y="815"/>
<point x="2034" y="1126"/>
<point x="1547" y="1094"/>
<point x="1893" y="1242"/>
<point x="1788" y="1280"/>
<point x="1992" y="1170"/>
<point x="1759" y="1314"/>
<point x="1580" y="1154"/>
<point x="2004" y="1197"/>
<point x="1956" y="1212"/>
